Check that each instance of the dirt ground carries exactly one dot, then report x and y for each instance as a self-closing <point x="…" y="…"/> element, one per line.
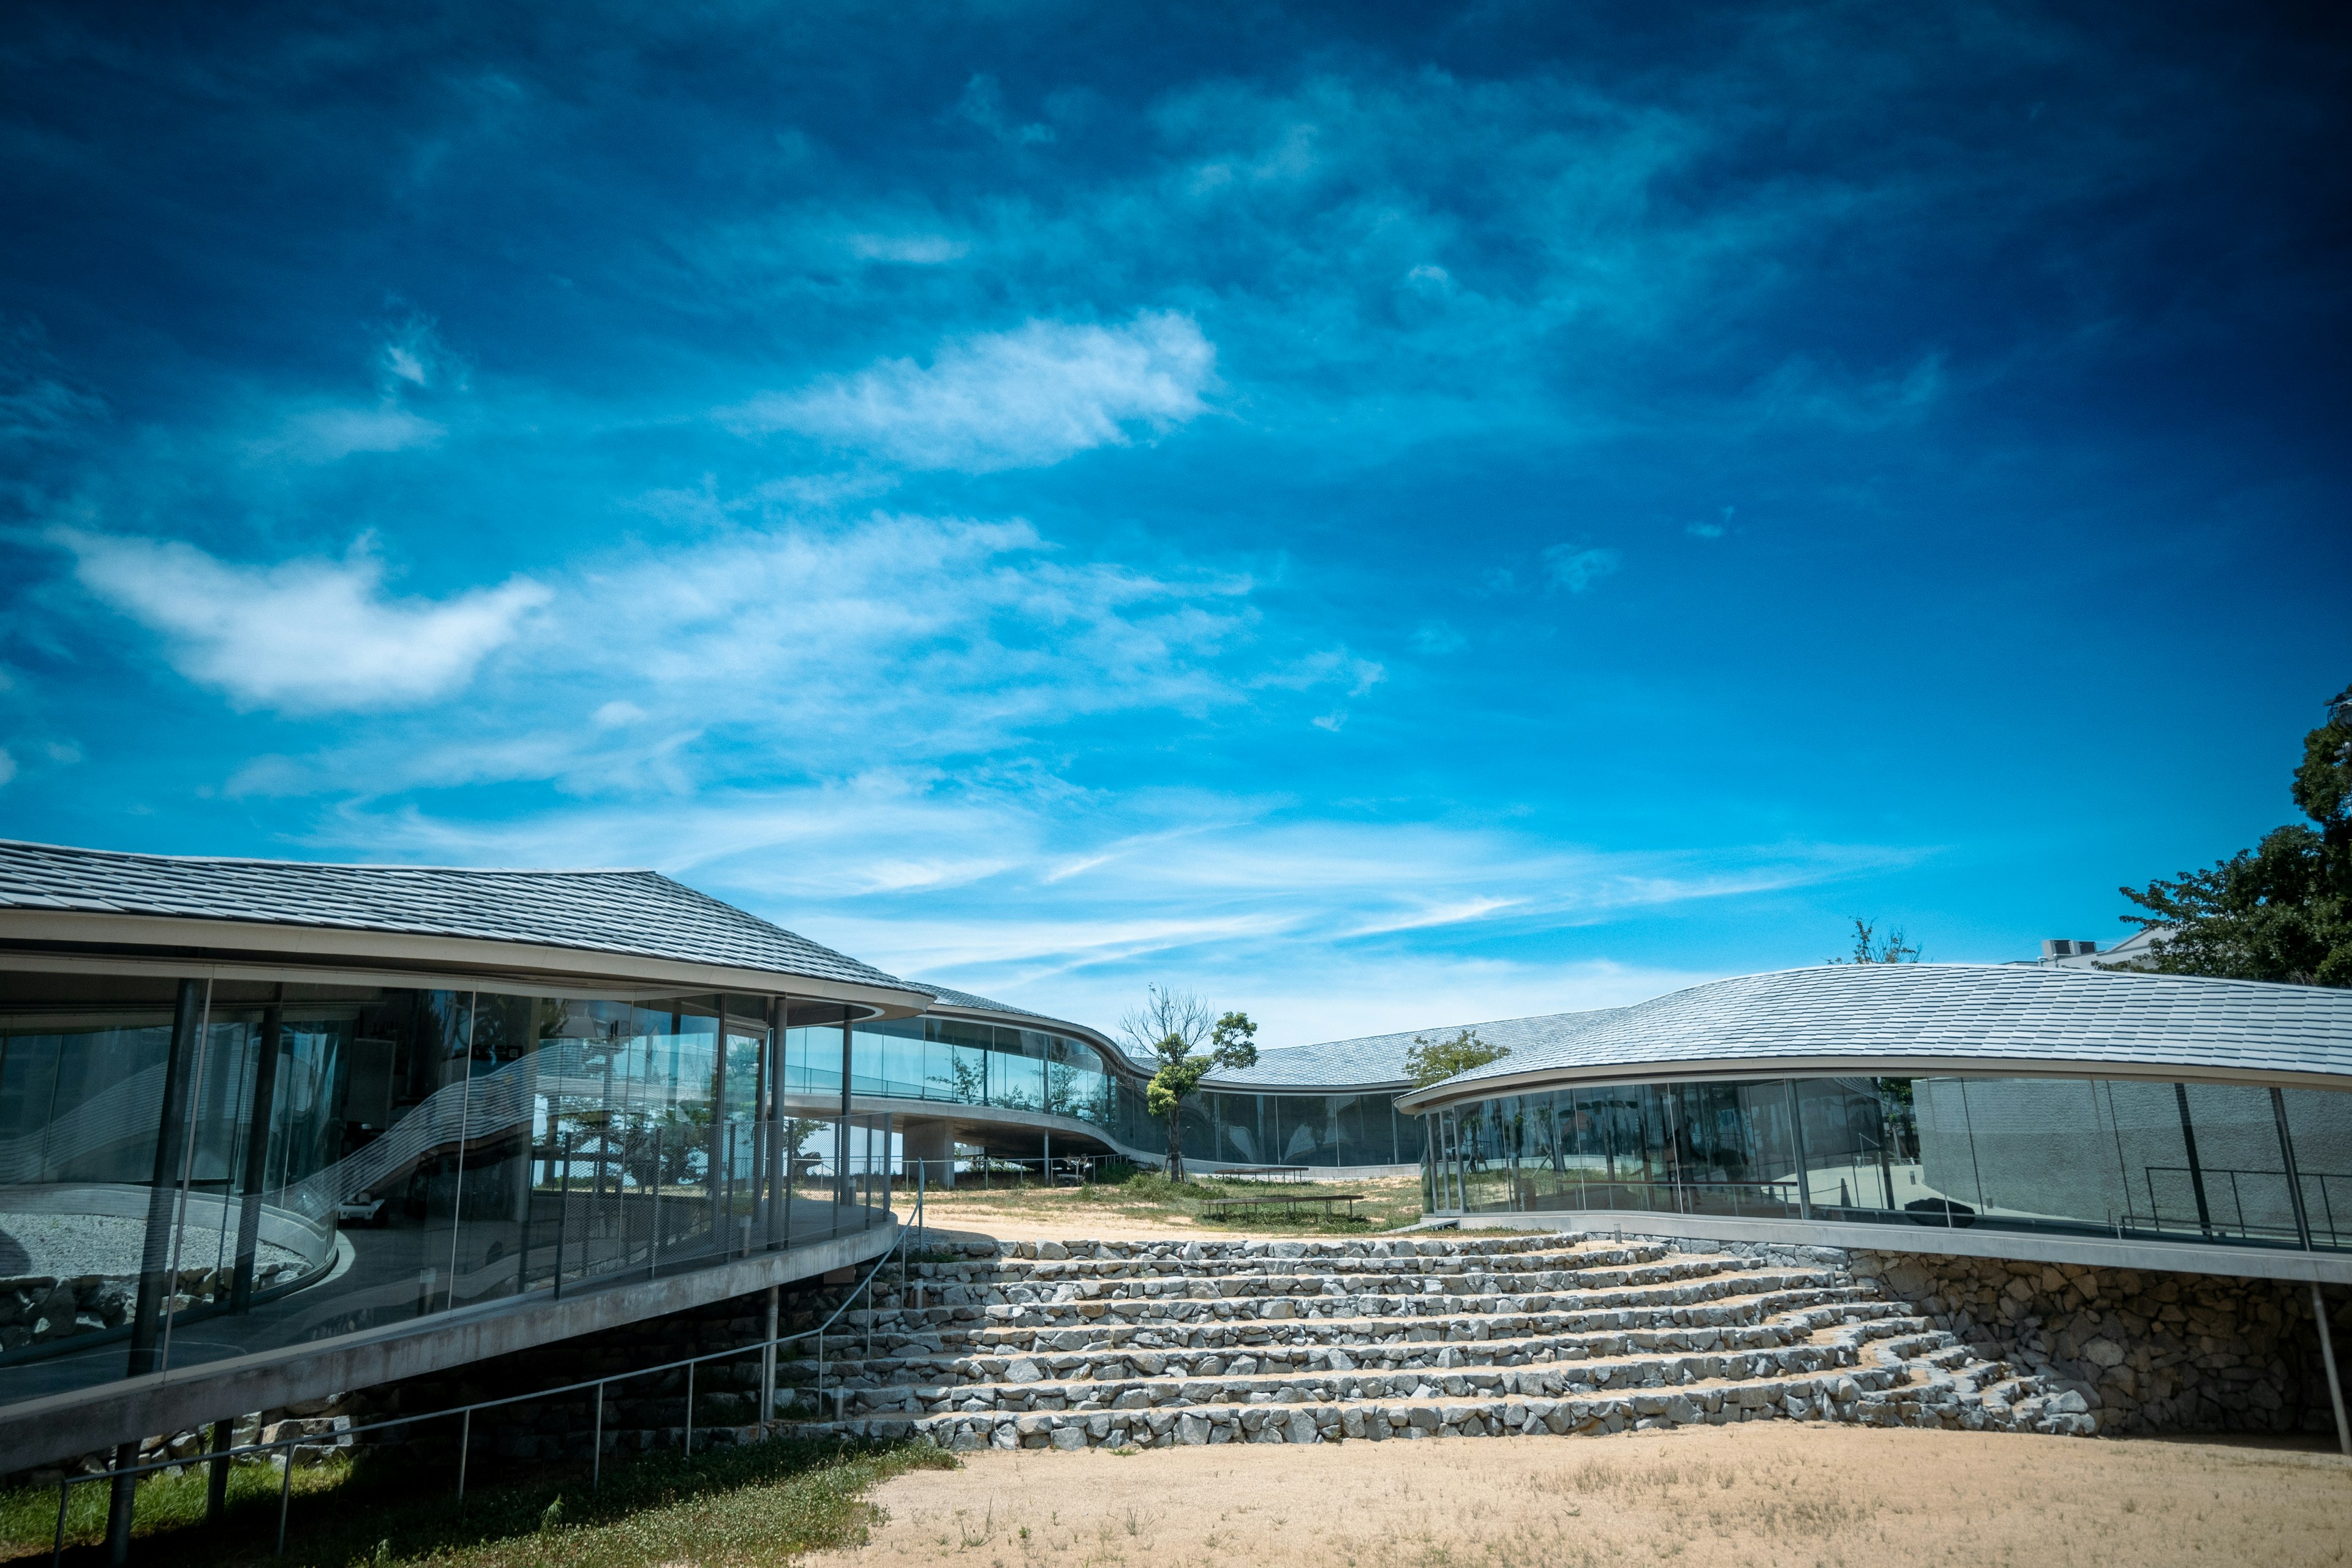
<point x="1802" y="1496"/>
<point x="1038" y="1214"/>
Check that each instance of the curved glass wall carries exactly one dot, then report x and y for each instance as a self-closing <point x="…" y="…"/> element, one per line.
<point x="2233" y="1163"/>
<point x="192" y="1174"/>
<point x="962" y="1061"/>
<point x="956" y="1061"/>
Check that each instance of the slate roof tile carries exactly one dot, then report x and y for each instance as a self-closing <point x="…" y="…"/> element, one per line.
<point x="642" y="913"/>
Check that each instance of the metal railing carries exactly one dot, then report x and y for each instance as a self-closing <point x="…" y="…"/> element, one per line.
<point x="2209" y="1183"/>
<point x="281" y="1451"/>
<point x="993" y="1171"/>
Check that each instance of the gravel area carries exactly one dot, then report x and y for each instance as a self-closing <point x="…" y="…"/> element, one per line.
<point x="67" y="1246"/>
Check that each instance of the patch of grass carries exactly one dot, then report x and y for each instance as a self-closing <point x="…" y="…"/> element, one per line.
<point x="760" y="1503"/>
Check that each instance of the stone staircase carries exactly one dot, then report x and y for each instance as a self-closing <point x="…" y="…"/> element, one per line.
<point x="1158" y="1343"/>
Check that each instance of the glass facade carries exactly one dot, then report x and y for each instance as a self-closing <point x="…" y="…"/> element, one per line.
<point x="960" y="1062"/>
<point x="193" y="1171"/>
<point x="2234" y="1164"/>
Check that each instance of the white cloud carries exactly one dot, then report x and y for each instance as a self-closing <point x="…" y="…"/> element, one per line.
<point x="982" y="104"/>
<point x="1576" y="567"/>
<point x="1437" y="636"/>
<point x="329" y="435"/>
<point x="912" y="249"/>
<point x="1070" y="903"/>
<point x="1801" y="390"/>
<point x="1000" y="400"/>
<point x="303" y="635"/>
<point x="893" y="640"/>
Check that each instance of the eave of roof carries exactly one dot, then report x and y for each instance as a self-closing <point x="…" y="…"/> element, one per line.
<point x="488" y="917"/>
<point x="1909" y="1018"/>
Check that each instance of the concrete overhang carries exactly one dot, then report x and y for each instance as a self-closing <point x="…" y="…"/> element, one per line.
<point x="2024" y="1247"/>
<point x="224" y="948"/>
<point x="41" y="1431"/>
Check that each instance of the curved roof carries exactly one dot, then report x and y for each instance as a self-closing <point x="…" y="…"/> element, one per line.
<point x="642" y="913"/>
<point x="1375" y="1061"/>
<point x="1934" y="1017"/>
<point x="970" y="1002"/>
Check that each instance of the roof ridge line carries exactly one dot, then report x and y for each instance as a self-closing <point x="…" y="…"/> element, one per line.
<point x="344" y="864"/>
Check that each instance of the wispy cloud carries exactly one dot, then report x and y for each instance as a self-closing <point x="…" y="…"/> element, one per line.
<point x="982" y="104"/>
<point x="890" y="640"/>
<point x="1031" y="396"/>
<point x="1573" y="568"/>
<point x="329" y="434"/>
<point x="1071" y="902"/>
<point x="1806" y="391"/>
<point x="305" y="635"/>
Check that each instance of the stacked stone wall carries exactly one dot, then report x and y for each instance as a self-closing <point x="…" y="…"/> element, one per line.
<point x="2150" y="1350"/>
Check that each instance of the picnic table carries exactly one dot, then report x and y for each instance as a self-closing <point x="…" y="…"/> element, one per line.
<point x="1262" y="1172"/>
<point x="1285" y="1201"/>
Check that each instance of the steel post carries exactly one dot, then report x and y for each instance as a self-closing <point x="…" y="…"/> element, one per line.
<point x="465" y="1446"/>
<point x="285" y="1495"/>
<point x="768" y="1358"/>
<point x="2327" y="1360"/>
<point x="217" y="1487"/>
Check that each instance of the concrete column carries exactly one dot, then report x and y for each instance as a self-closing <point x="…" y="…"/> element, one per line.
<point x="933" y="1144"/>
<point x="768" y="1358"/>
<point x="841" y="1131"/>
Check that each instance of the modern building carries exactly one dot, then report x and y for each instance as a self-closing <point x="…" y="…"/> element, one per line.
<point x="2020" y="1111"/>
<point x="272" y="1130"/>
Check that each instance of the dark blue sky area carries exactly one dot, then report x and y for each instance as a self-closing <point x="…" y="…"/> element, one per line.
<point x="1387" y="519"/>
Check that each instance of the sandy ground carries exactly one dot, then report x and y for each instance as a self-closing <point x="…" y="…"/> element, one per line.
<point x="1759" y="1494"/>
<point x="1035" y="1214"/>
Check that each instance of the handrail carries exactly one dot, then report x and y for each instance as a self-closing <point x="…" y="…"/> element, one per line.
<point x="466" y="1411"/>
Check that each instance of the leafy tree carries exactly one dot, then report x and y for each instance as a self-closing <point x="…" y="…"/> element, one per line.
<point x="1169" y="1025"/>
<point x="2283" y="909"/>
<point x="1869" y="947"/>
<point x="1430" y="1060"/>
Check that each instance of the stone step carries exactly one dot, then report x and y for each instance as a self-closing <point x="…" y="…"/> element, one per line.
<point x="1078" y="1311"/>
<point x="1285" y="1276"/>
<point x="1567" y="1258"/>
<point x="1696" y="1301"/>
<point x="1346" y="1344"/>
<point x="1844" y="1345"/>
<point x="1873" y="1397"/>
<point x="1129" y="1394"/>
<point x="1206" y="1250"/>
<point x="1083" y="1343"/>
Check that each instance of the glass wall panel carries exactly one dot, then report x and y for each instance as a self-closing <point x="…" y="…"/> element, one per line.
<point x="357" y="1157"/>
<point x="2115" y="1157"/>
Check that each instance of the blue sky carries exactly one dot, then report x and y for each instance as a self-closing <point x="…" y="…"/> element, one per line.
<point x="1385" y="518"/>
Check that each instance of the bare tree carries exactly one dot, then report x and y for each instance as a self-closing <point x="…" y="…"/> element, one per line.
<point x="1167" y="1010"/>
<point x="1167" y="1027"/>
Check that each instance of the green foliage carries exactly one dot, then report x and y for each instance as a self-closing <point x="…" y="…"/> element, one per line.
<point x="1170" y="1024"/>
<point x="765" y="1502"/>
<point x="1430" y="1061"/>
<point x="2283" y="909"/>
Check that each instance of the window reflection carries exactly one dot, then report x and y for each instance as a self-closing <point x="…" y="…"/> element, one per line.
<point x="962" y="1061"/>
<point x="2122" y="1158"/>
<point x="359" y="1157"/>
